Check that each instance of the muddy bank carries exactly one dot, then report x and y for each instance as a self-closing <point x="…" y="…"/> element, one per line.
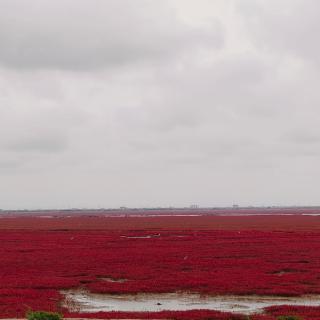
<point x="82" y="301"/>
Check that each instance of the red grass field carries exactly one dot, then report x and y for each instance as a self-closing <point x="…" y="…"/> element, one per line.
<point x="245" y="255"/>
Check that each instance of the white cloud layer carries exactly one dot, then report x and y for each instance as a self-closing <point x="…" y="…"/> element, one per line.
<point x="147" y="103"/>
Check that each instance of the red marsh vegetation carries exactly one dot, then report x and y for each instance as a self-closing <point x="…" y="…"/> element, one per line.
<point x="211" y="255"/>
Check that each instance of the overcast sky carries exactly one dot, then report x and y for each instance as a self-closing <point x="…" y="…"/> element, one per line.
<point x="107" y="103"/>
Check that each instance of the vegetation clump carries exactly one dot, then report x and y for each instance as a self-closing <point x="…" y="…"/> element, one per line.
<point x="289" y="318"/>
<point x="43" y="315"/>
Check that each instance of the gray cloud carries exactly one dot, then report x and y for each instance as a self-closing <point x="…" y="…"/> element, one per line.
<point x="38" y="143"/>
<point x="289" y="26"/>
<point x="94" y="34"/>
<point x="109" y="103"/>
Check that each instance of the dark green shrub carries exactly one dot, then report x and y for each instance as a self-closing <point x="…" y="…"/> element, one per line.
<point x="43" y="315"/>
<point x="289" y="318"/>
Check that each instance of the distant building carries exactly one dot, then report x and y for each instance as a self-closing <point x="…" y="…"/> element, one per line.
<point x="194" y="206"/>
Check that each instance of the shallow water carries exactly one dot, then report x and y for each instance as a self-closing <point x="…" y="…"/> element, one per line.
<point x="87" y="302"/>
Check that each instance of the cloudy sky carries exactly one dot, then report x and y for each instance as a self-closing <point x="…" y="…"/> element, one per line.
<point x="107" y="103"/>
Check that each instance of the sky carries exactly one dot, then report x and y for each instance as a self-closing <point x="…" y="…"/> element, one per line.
<point x="146" y="103"/>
